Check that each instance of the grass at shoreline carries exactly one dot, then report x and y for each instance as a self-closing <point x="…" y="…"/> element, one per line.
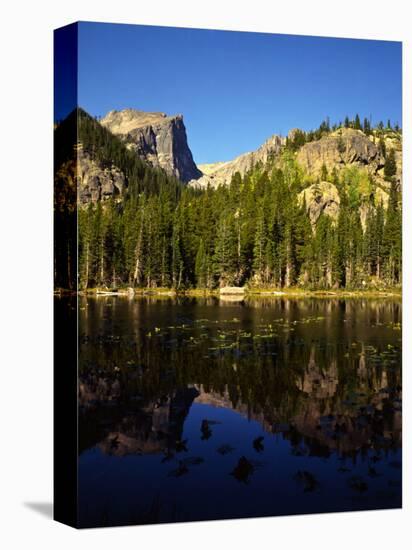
<point x="249" y="293"/>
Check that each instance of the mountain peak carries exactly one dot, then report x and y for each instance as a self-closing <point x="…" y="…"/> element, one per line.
<point x="156" y="137"/>
<point x="220" y="173"/>
<point x="127" y="120"/>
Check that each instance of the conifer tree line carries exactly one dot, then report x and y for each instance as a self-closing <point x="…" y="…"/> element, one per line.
<point x="255" y="231"/>
<point x="300" y="137"/>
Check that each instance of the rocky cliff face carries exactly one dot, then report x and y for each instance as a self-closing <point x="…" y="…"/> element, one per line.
<point x="97" y="183"/>
<point x="161" y="141"/>
<point x="343" y="148"/>
<point x="320" y="198"/>
<point x="338" y="149"/>
<point x="221" y="173"/>
<point x="348" y="147"/>
<point x="93" y="182"/>
<point x="157" y="138"/>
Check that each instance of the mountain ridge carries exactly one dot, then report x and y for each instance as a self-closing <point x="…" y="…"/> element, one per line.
<point x="221" y="173"/>
<point x="161" y="140"/>
<point x="279" y="225"/>
<point x="157" y="138"/>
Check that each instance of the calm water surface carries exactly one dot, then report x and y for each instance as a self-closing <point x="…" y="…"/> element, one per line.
<point x="196" y="409"/>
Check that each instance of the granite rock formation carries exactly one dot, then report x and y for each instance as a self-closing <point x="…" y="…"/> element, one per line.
<point x="157" y="138"/>
<point x="338" y="149"/>
<point x="93" y="182"/>
<point x="97" y="183"/>
<point x="221" y="173"/>
<point x="320" y="197"/>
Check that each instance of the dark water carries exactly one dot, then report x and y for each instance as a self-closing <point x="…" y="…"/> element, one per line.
<point x="196" y="409"/>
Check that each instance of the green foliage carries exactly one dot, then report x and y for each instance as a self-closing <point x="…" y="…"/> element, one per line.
<point x="324" y="173"/>
<point x="392" y="238"/>
<point x="341" y="145"/>
<point x="108" y="150"/>
<point x="254" y="231"/>
<point x="390" y="165"/>
<point x="358" y="186"/>
<point x="296" y="142"/>
<point x="382" y="147"/>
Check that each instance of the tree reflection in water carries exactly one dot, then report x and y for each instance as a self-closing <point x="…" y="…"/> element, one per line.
<point x="322" y="377"/>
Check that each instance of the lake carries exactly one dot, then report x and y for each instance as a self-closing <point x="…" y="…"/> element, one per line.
<point x="198" y="408"/>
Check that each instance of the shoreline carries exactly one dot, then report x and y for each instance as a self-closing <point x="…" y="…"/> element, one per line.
<point x="235" y="296"/>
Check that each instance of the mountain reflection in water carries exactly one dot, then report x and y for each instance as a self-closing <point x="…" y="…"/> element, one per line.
<point x="196" y="409"/>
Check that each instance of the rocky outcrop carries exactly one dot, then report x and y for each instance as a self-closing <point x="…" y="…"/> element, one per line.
<point x="92" y="182"/>
<point x="221" y="173"/>
<point x="320" y="197"/>
<point x="392" y="140"/>
<point x="338" y="149"/>
<point x="97" y="183"/>
<point x="157" y="138"/>
<point x="161" y="141"/>
<point x="324" y="197"/>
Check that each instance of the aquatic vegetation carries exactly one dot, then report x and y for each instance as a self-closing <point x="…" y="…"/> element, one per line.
<point x="307" y="480"/>
<point x="243" y="470"/>
<point x="192" y="461"/>
<point x="258" y="444"/>
<point x="329" y="389"/>
<point x="358" y="484"/>
<point x="206" y="431"/>
<point x="225" y="449"/>
<point x="181" y="470"/>
<point x="181" y="446"/>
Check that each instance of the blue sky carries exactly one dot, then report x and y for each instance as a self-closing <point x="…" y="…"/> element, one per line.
<point x="235" y="89"/>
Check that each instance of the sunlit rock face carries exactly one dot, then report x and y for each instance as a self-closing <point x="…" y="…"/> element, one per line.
<point x="322" y="197"/>
<point x="220" y="173"/>
<point x="157" y="138"/>
<point x="345" y="146"/>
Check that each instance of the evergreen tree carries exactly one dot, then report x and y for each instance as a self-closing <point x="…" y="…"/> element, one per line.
<point x="392" y="238"/>
<point x="259" y="250"/>
<point x="390" y="165"/>
<point x="202" y="267"/>
<point x="225" y="259"/>
<point x="177" y="254"/>
<point x="382" y="147"/>
<point x="254" y="231"/>
<point x="341" y="145"/>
